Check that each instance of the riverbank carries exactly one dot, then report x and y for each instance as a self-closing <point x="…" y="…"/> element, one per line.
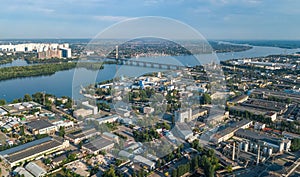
<point x="7" y="73"/>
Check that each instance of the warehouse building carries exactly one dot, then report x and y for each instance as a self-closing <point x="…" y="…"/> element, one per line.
<point x="29" y="151"/>
<point x="99" y="144"/>
<point x="41" y="127"/>
<point x="182" y="130"/>
<point x="144" y="161"/>
<point x="78" y="136"/>
<point x="36" y="170"/>
<point x="229" y="131"/>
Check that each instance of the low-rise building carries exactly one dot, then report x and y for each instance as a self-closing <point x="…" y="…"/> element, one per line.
<point x="90" y="107"/>
<point x="238" y="99"/>
<point x="99" y="144"/>
<point x="66" y="124"/>
<point x="22" y="172"/>
<point x="182" y="130"/>
<point x="82" y="113"/>
<point x="188" y="114"/>
<point x="2" y="111"/>
<point x="41" y="127"/>
<point x="259" y="126"/>
<point x="29" y="151"/>
<point x="144" y="161"/>
<point x="36" y="170"/>
<point x="278" y="144"/>
<point x="148" y="110"/>
<point x="216" y="117"/>
<point x="111" y="136"/>
<point x="78" y="136"/>
<point x="229" y="131"/>
<point x="108" y="119"/>
<point x="290" y="135"/>
<point x="268" y="106"/>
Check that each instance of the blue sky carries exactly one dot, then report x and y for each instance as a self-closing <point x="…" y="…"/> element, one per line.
<point x="215" y="19"/>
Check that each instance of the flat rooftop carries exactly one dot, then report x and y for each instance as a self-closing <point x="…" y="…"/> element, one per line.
<point x="98" y="144"/>
<point x="39" y="124"/>
<point x="29" y="149"/>
<point x="82" y="133"/>
<point x="25" y="146"/>
<point x="257" y="136"/>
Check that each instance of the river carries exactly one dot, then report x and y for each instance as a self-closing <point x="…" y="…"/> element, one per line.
<point x="60" y="83"/>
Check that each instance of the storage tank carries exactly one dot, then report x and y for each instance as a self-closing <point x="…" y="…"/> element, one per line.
<point x="246" y="146"/>
<point x="251" y="146"/>
<point x="265" y="150"/>
<point x="241" y="145"/>
<point x="270" y="151"/>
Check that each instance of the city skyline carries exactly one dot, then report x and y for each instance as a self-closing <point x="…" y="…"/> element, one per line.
<point x="214" y="19"/>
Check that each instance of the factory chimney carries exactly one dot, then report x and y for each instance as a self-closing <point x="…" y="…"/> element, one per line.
<point x="233" y="151"/>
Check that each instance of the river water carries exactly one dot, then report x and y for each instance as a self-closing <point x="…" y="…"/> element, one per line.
<point x="61" y="83"/>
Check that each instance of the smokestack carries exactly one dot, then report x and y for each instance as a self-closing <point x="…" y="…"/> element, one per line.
<point x="233" y="151"/>
<point x="258" y="154"/>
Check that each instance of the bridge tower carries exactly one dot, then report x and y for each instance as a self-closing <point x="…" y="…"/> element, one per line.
<point x="117" y="57"/>
<point x="117" y="52"/>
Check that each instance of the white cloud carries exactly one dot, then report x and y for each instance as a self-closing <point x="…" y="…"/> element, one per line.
<point x="110" y="18"/>
<point x="44" y="10"/>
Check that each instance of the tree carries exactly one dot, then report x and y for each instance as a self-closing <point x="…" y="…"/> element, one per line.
<point x="16" y="101"/>
<point x="195" y="163"/>
<point x="2" y="102"/>
<point x="27" y="97"/>
<point x="62" y="131"/>
<point x="47" y="161"/>
<point x="174" y="173"/>
<point x="206" y="99"/>
<point x="110" y="172"/>
<point x="22" y="131"/>
<point x="229" y="168"/>
<point x="38" y="97"/>
<point x="295" y="144"/>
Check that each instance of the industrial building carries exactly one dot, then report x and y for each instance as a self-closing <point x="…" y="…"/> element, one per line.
<point x="262" y="139"/>
<point x="216" y="116"/>
<point x="265" y="105"/>
<point x="29" y="151"/>
<point x="36" y="170"/>
<point x="78" y="136"/>
<point x="238" y="99"/>
<point x="99" y="144"/>
<point x="229" y="131"/>
<point x="82" y="112"/>
<point x="144" y="161"/>
<point x="87" y="105"/>
<point x="187" y="115"/>
<point x="108" y="119"/>
<point x="41" y="127"/>
<point x="182" y="130"/>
